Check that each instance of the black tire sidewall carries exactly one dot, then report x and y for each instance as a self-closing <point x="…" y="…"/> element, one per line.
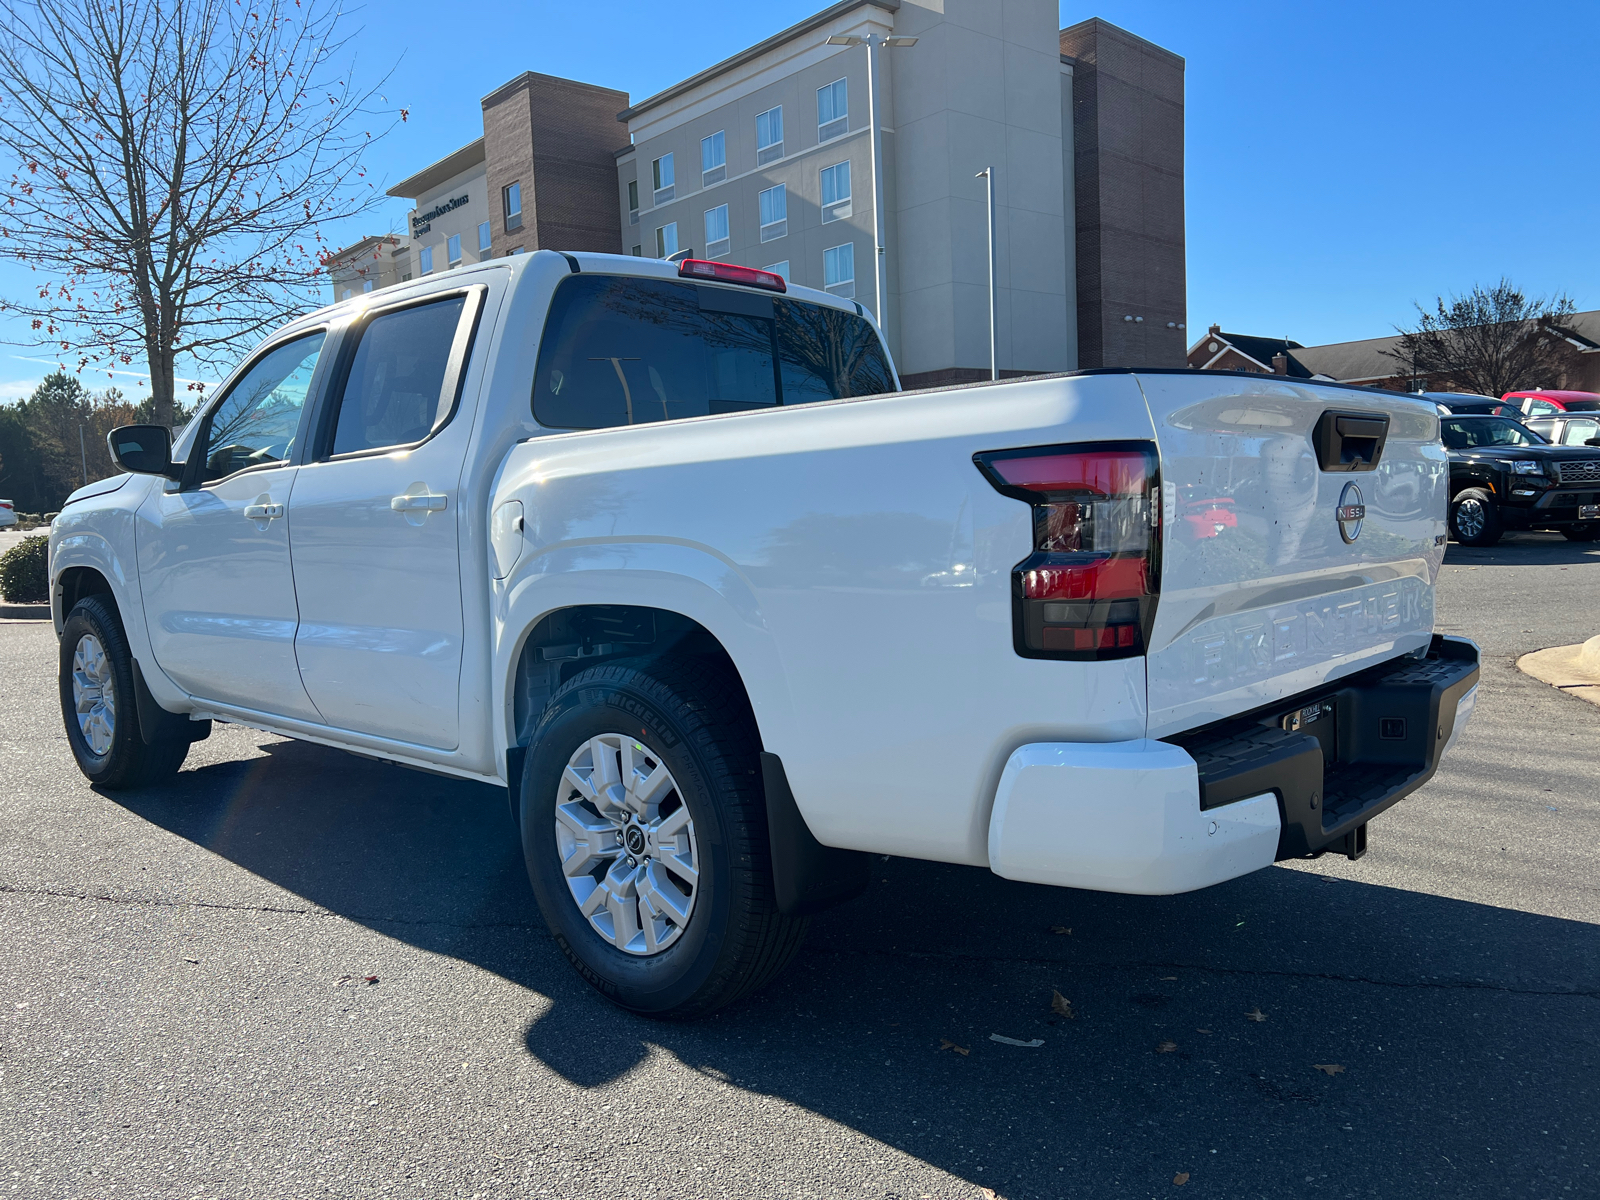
<point x="629" y="705"/>
<point x="1492" y="528"/>
<point x="117" y="767"/>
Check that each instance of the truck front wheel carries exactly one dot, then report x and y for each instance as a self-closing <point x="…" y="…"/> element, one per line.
<point x="645" y="833"/>
<point x="98" y="704"/>
<point x="1475" y="518"/>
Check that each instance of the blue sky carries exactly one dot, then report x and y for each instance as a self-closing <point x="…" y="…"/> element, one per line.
<point x="1344" y="159"/>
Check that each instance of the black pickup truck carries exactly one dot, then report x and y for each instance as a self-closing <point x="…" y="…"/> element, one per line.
<point x="1505" y="476"/>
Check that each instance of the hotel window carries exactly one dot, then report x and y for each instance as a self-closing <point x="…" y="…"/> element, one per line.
<point x="839" y="270"/>
<point x="483" y="238"/>
<point x="774" y="213"/>
<point x="835" y="192"/>
<point x="638" y="251"/>
<point x="779" y="268"/>
<point x="406" y="278"/>
<point x="717" y="231"/>
<point x="667" y="239"/>
<point x="661" y="169"/>
<point x="346" y="295"/>
<point x="833" y="110"/>
<point x="425" y="259"/>
<point x="714" y="158"/>
<point x="633" y="202"/>
<point x="366" y="285"/>
<point x="769" y="136"/>
<point x="452" y="247"/>
<point x="512" y="196"/>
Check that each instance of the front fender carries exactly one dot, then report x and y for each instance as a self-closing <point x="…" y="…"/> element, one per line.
<point x="98" y="534"/>
<point x="678" y="576"/>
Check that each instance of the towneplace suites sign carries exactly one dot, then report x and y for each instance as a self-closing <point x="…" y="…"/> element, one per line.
<point x="422" y="222"/>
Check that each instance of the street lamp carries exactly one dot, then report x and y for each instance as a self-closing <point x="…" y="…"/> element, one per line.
<point x="987" y="174"/>
<point x="872" y="41"/>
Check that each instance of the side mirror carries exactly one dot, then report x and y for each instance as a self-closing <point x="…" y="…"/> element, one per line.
<point x="1592" y="442"/>
<point x="142" y="449"/>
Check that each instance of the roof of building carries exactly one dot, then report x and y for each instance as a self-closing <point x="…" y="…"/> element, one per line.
<point x="424" y="181"/>
<point x="358" y="250"/>
<point x="1364" y="359"/>
<point x="1264" y="350"/>
<point x="814" y="21"/>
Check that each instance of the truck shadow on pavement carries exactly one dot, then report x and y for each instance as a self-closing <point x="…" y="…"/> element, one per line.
<point x="1287" y="1033"/>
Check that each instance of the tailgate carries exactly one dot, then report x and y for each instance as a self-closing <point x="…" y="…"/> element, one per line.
<point x="1283" y="567"/>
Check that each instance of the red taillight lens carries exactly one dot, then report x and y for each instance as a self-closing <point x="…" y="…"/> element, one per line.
<point x="1088" y="589"/>
<point x="699" y="268"/>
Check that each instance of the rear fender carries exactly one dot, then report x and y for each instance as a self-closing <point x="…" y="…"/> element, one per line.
<point x="678" y="577"/>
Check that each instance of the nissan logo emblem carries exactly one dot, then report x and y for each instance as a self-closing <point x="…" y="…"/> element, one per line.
<point x="1350" y="513"/>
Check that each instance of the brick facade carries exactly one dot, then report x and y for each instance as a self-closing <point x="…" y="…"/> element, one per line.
<point x="1128" y="135"/>
<point x="555" y="137"/>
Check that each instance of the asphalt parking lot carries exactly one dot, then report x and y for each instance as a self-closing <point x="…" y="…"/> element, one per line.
<point x="295" y="973"/>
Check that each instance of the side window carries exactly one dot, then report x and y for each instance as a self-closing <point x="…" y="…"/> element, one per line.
<point x="620" y="351"/>
<point x="825" y="354"/>
<point x="1579" y="432"/>
<point x="395" y="393"/>
<point x="256" y="422"/>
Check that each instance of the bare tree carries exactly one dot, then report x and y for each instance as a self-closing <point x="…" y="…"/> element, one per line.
<point x="174" y="162"/>
<point x="1490" y="340"/>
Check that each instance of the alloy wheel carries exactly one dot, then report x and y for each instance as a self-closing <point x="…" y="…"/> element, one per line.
<point x="627" y="844"/>
<point x="94" y="694"/>
<point x="1470" y="518"/>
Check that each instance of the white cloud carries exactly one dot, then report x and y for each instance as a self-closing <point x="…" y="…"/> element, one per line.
<point x="12" y="390"/>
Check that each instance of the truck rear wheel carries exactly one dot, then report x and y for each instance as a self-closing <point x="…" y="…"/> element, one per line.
<point x="644" y="829"/>
<point x="1475" y="518"/>
<point x="98" y="705"/>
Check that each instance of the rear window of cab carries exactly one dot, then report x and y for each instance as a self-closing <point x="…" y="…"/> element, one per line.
<point x="619" y="350"/>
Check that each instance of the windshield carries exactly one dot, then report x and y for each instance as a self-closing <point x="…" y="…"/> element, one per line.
<point x="1488" y="431"/>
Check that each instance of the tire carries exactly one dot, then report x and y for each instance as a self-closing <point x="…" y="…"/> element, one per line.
<point x="106" y="740"/>
<point x="1475" y="518"/>
<point x="710" y="942"/>
<point x="1582" y="533"/>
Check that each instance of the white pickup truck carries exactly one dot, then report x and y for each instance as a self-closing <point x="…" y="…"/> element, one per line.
<point x="663" y="549"/>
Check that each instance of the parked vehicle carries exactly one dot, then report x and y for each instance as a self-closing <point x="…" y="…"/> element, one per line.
<point x="1567" y="430"/>
<point x="728" y="613"/>
<point x="1466" y="402"/>
<point x="8" y="514"/>
<point x="1504" y="475"/>
<point x="1545" y="402"/>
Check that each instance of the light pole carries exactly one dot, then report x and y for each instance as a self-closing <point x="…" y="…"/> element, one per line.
<point x="872" y="41"/>
<point x="987" y="175"/>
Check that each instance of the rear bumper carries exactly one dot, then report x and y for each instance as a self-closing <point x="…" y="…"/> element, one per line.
<point x="1155" y="818"/>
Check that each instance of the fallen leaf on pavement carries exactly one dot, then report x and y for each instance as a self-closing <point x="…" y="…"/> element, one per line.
<point x="355" y="980"/>
<point x="1061" y="929"/>
<point x="1003" y="1040"/>
<point x="195" y="961"/>
<point x="1255" y="1015"/>
<point x="1061" y="1006"/>
<point x="1202" y="1031"/>
<point x="1166" y="1047"/>
<point x="988" y="1194"/>
<point x="947" y="1044"/>
<point x="1328" y="1068"/>
<point x="1169" y="979"/>
<point x="1181" y="1178"/>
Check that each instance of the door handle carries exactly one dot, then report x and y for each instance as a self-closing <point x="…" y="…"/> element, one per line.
<point x="419" y="503"/>
<point x="262" y="512"/>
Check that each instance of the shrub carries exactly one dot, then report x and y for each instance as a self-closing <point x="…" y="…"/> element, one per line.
<point x="25" y="571"/>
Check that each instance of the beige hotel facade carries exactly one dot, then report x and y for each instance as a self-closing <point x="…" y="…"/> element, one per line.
<point x="765" y="159"/>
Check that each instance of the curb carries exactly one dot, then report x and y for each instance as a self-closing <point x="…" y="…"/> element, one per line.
<point x="24" y="612"/>
<point x="1574" y="670"/>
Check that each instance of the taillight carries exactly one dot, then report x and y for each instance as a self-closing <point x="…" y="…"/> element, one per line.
<point x="1088" y="590"/>
<point x="700" y="268"/>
